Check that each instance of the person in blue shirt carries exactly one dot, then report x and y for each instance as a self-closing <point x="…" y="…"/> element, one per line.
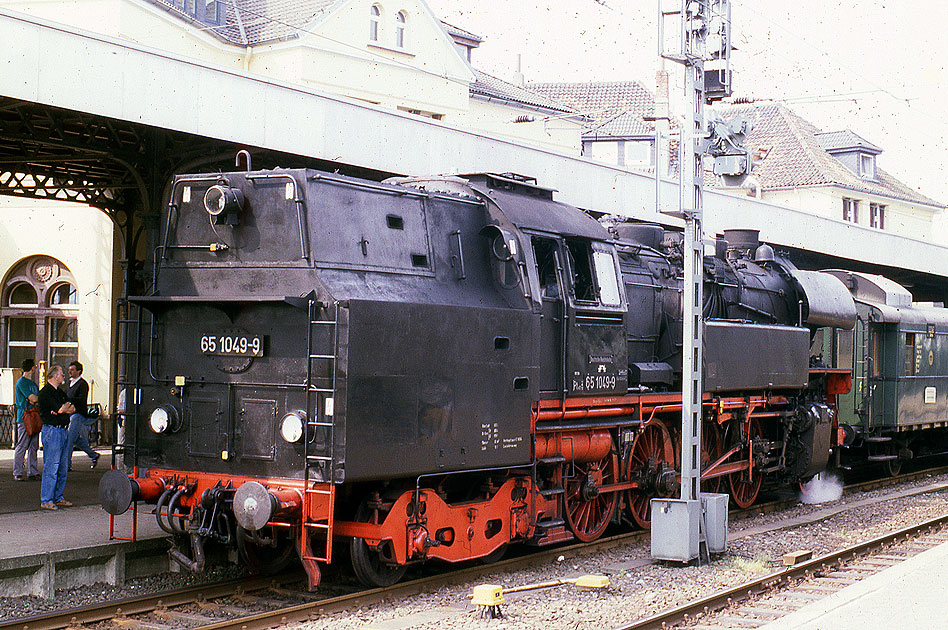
<point x="27" y="392"/>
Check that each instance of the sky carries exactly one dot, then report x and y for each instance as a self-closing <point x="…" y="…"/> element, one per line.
<point x="877" y="68"/>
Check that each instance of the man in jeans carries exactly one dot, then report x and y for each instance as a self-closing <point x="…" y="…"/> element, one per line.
<point x="55" y="411"/>
<point x="77" y="392"/>
<point x="27" y="393"/>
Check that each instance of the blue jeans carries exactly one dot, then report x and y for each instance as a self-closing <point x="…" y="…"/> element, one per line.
<point x="55" y="463"/>
<point x="79" y="436"/>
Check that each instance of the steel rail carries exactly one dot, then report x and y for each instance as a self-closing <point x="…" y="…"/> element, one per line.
<point x="728" y="597"/>
<point x="131" y="606"/>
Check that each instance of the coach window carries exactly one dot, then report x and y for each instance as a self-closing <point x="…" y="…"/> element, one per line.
<point x="39" y="313"/>
<point x="908" y="358"/>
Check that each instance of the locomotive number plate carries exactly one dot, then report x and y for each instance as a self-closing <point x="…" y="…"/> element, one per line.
<point x="232" y="345"/>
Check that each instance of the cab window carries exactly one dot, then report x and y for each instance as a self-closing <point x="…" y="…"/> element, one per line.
<point x="606" y="276"/>
<point x="581" y="266"/>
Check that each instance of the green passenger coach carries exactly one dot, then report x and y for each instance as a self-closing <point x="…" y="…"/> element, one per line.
<point x="899" y="356"/>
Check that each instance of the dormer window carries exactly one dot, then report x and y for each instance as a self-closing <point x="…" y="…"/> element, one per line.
<point x="375" y="16"/>
<point x="867" y="165"/>
<point x="400" y="24"/>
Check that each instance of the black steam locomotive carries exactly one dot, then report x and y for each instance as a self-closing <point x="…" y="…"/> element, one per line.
<point x="437" y="368"/>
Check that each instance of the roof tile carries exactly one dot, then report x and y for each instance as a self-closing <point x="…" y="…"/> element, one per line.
<point x="492" y="87"/>
<point x="618" y="108"/>
<point x="794" y="155"/>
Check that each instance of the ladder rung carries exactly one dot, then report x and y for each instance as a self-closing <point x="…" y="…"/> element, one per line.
<point x="320" y="424"/>
<point x="322" y="321"/>
<point x="319" y="458"/>
<point x="322" y="356"/>
<point x="322" y="390"/>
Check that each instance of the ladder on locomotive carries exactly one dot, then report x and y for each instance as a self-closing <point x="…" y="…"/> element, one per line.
<point x="128" y="341"/>
<point x="319" y="500"/>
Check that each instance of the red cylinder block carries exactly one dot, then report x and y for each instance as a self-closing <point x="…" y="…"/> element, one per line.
<point x="575" y="446"/>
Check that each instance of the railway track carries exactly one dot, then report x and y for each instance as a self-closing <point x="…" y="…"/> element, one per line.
<point x="249" y="604"/>
<point x="762" y="600"/>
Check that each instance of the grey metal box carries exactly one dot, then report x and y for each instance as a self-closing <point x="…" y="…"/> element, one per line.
<point x="715" y="521"/>
<point x="675" y="529"/>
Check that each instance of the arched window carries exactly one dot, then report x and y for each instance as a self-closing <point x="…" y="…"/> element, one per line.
<point x="400" y="20"/>
<point x="23" y="294"/>
<point x="39" y="316"/>
<point x="375" y="16"/>
<point x="63" y="295"/>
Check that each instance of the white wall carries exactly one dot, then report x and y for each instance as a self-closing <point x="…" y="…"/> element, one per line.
<point x="911" y="220"/>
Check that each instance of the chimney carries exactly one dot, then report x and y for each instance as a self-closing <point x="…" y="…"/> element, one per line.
<point x="518" y="75"/>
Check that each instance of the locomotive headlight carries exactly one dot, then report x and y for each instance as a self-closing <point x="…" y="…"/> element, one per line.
<point x="223" y="203"/>
<point x="220" y="198"/>
<point x="291" y="427"/>
<point x="162" y="419"/>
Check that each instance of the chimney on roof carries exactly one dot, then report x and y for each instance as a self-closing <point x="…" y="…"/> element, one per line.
<point x="518" y="75"/>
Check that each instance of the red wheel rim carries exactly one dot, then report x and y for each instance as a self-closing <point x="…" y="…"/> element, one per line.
<point x="652" y="448"/>
<point x="589" y="511"/>
<point x="744" y="486"/>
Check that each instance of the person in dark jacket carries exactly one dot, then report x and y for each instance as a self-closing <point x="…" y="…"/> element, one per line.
<point x="55" y="410"/>
<point x="77" y="392"/>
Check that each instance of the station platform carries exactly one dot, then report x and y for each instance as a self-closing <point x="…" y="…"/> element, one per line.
<point x="85" y="524"/>
<point x="908" y="595"/>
